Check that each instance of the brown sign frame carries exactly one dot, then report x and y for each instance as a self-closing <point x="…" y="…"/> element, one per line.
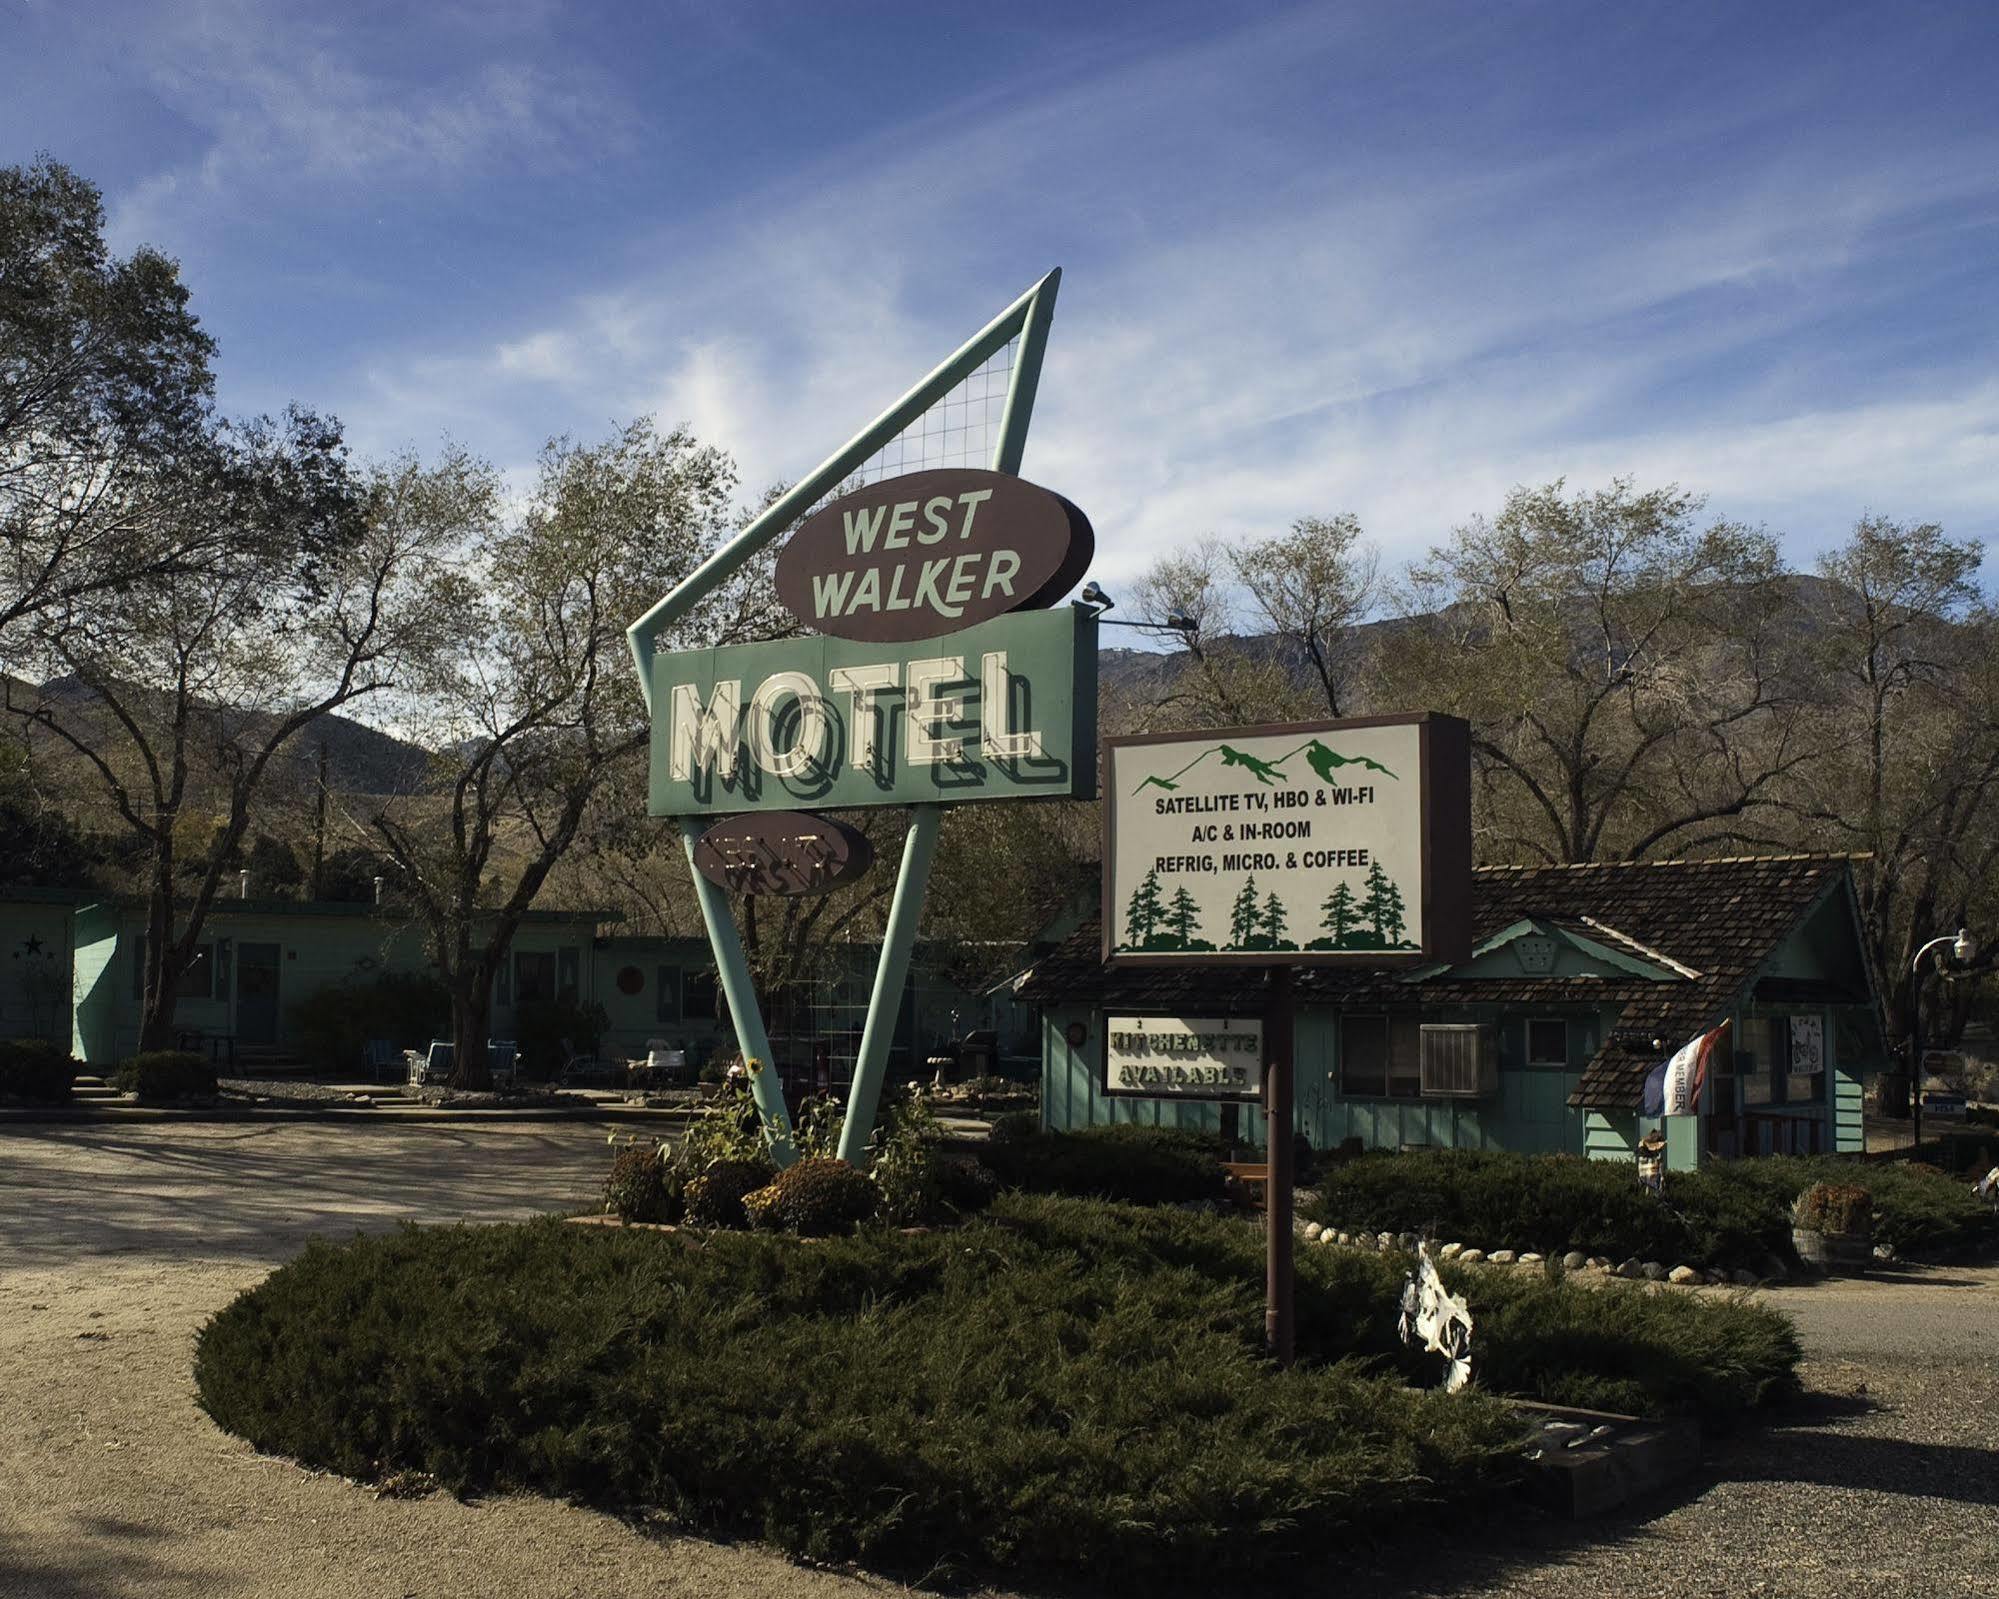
<point x="851" y="851"/>
<point x="1444" y="801"/>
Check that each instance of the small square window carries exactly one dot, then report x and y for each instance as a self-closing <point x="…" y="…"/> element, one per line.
<point x="1547" y="1043"/>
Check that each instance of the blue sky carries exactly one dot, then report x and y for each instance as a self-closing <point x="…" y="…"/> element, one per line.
<point x="1382" y="258"/>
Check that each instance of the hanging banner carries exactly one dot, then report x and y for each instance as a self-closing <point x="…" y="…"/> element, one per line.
<point x="1315" y="843"/>
<point x="1003" y="710"/>
<point x="1807" y="1045"/>
<point x="1175" y="1057"/>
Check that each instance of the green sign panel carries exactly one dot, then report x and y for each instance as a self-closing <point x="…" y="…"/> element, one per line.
<point x="1003" y="710"/>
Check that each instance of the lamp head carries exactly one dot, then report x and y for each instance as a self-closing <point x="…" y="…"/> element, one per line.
<point x="1961" y="947"/>
<point x="1093" y="594"/>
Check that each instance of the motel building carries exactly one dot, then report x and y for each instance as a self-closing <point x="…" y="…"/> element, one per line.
<point x="72" y="971"/>
<point x="1581" y="980"/>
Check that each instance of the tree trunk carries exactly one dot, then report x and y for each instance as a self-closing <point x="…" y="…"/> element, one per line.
<point x="156" y="1017"/>
<point x="471" y="1013"/>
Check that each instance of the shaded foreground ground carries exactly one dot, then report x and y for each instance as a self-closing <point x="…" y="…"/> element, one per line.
<point x="115" y="1246"/>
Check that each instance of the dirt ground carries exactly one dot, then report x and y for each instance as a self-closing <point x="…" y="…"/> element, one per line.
<point x="116" y="1244"/>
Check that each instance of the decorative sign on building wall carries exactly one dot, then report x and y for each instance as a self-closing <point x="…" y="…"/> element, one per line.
<point x="1807" y="1045"/>
<point x="1002" y="710"/>
<point x="1178" y="1057"/>
<point x="1314" y="843"/>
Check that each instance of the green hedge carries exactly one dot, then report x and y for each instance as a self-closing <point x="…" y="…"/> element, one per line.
<point x="1063" y="1386"/>
<point x="167" y="1075"/>
<point x="1730" y="1213"/>
<point x="1139" y="1165"/>
<point x="34" y="1071"/>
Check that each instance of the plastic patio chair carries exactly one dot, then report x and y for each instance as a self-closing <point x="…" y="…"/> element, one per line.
<point x="381" y="1056"/>
<point x="502" y="1056"/>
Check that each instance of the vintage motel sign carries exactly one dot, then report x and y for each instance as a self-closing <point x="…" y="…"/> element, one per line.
<point x="1004" y="710"/>
<point x="938" y="674"/>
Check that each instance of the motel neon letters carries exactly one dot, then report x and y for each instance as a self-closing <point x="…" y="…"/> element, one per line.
<point x="1002" y="710"/>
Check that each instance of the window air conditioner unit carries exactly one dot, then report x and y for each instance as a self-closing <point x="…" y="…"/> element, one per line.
<point x="1460" y="1060"/>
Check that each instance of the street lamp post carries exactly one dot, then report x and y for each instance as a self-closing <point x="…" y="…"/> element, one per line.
<point x="1960" y="948"/>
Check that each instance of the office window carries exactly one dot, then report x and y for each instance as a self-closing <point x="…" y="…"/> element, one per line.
<point x="1547" y="1043"/>
<point x="1380" y="1057"/>
<point x="534" y="976"/>
<point x="700" y="998"/>
<point x="197" y="982"/>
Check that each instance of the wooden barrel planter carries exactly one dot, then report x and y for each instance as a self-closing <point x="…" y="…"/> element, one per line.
<point x="1844" y="1254"/>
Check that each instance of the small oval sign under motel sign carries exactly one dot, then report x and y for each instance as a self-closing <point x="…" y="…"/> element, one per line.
<point x="782" y="852"/>
<point x="930" y="553"/>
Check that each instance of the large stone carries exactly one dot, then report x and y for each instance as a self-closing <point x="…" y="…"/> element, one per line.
<point x="1450" y="1251"/>
<point x="1408" y="1240"/>
<point x="1502" y="1257"/>
<point x="1531" y="1259"/>
<point x="1471" y="1257"/>
<point x="1385" y="1240"/>
<point x="1312" y="1230"/>
<point x="1575" y="1260"/>
<point x="1714" y="1276"/>
<point x="1634" y="1268"/>
<point x="1746" y="1279"/>
<point x="1683" y="1275"/>
<point x="1654" y="1271"/>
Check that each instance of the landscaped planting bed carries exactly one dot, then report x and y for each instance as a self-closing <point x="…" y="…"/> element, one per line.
<point x="1729" y="1214"/>
<point x="1060" y="1384"/>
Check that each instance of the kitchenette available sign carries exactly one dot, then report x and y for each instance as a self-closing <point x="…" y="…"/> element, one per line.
<point x="1176" y="1057"/>
<point x="1315" y="843"/>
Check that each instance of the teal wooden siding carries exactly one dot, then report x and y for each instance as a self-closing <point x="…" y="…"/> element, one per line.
<point x="1528" y="1114"/>
<point x="1610" y="1135"/>
<point x="94" y="1037"/>
<point x="1849" y="1135"/>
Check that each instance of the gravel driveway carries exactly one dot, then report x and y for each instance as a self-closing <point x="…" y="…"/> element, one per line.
<point x="116" y="1244"/>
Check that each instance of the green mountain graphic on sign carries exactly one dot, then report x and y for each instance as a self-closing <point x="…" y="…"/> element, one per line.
<point x="1323" y="760"/>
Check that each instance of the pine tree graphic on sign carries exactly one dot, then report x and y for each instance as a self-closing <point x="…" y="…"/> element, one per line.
<point x="1383" y="906"/>
<point x="1273" y="922"/>
<point x="1181" y="917"/>
<point x="1143" y="916"/>
<point x="1342" y="913"/>
<point x="1244" y="917"/>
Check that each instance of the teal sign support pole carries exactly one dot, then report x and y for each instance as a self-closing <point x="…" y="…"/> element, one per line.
<point x="740" y="992"/>
<point x="1027" y="319"/>
<point x="891" y="977"/>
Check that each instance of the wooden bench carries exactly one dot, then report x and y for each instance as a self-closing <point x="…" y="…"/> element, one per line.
<point x="1256" y="1174"/>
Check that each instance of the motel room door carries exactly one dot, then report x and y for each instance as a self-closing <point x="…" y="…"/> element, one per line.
<point x="257" y="993"/>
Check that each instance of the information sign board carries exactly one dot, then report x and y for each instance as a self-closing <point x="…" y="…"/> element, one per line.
<point x="1178" y="1057"/>
<point x="1312" y="843"/>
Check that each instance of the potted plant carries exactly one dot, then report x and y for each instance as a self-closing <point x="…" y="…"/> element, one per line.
<point x="1832" y="1227"/>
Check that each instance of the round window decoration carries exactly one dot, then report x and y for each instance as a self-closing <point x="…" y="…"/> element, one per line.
<point x="630" y="980"/>
<point x="1076" y="1033"/>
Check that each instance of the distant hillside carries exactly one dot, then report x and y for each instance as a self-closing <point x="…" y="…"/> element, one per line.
<point x="359" y="759"/>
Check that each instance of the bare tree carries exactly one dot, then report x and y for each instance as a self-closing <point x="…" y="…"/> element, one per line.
<point x="1909" y="778"/>
<point x="176" y="692"/>
<point x="1313" y="587"/>
<point x="1621" y="666"/>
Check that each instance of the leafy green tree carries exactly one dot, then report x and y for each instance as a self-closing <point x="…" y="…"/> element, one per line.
<point x="1244" y="916"/>
<point x="1342" y="914"/>
<point x="531" y="689"/>
<point x="1143" y="916"/>
<point x="105" y="405"/>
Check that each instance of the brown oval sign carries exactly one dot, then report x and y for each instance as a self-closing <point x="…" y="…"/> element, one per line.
<point x="782" y="852"/>
<point x="928" y="553"/>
